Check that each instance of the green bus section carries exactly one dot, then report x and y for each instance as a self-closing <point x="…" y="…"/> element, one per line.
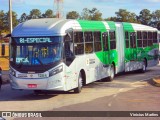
<point x="109" y="56"/>
<point x="133" y="52"/>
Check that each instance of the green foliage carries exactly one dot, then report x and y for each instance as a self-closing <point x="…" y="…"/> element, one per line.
<point x="48" y="14"/>
<point x="4" y="21"/>
<point x="23" y="18"/>
<point x="125" y="16"/>
<point x="73" y="15"/>
<point x="35" y="14"/>
<point x="145" y="16"/>
<point x="93" y="14"/>
<point x="2" y="27"/>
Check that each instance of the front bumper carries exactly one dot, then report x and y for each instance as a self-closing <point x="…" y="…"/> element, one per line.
<point x="51" y="83"/>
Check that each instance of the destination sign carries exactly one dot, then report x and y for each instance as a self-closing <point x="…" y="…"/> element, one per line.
<point x="35" y="40"/>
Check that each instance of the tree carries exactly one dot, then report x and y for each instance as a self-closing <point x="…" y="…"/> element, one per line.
<point x="48" y="14"/>
<point x="145" y="16"/>
<point x="72" y="15"/>
<point x="6" y="20"/>
<point x="125" y="16"/>
<point x="93" y="14"/>
<point x="2" y="21"/>
<point x="111" y="19"/>
<point x="35" y="14"/>
<point x="156" y="15"/>
<point x="23" y="18"/>
<point x="155" y="19"/>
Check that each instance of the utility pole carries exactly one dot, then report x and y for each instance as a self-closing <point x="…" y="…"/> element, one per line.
<point x="59" y="8"/>
<point x="10" y="16"/>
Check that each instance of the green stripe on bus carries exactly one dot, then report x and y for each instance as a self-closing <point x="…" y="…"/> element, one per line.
<point x="128" y="27"/>
<point x="112" y="25"/>
<point x="92" y="25"/>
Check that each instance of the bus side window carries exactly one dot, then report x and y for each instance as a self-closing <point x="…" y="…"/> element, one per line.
<point x="155" y="37"/>
<point x="88" y="42"/>
<point x="150" y="39"/>
<point x="105" y="41"/>
<point x="78" y="43"/>
<point x="139" y="39"/>
<point x="145" y="35"/>
<point x="133" y="40"/>
<point x="97" y="41"/>
<point x="112" y="39"/>
<point x="127" y="39"/>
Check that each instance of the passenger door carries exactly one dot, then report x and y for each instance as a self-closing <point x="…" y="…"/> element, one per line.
<point x="69" y="57"/>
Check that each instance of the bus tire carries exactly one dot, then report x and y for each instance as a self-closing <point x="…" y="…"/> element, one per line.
<point x="144" y="67"/>
<point x="79" y="88"/>
<point x="112" y="73"/>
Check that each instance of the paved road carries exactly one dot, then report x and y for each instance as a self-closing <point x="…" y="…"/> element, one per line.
<point x="130" y="91"/>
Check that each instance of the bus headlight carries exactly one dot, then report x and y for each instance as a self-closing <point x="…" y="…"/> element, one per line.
<point x="56" y="71"/>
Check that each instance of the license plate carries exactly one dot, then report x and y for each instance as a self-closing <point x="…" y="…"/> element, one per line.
<point x="32" y="85"/>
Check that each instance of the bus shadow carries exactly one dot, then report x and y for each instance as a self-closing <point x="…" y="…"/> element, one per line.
<point x="30" y="96"/>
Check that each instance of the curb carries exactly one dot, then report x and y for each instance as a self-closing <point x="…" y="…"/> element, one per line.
<point x="156" y="81"/>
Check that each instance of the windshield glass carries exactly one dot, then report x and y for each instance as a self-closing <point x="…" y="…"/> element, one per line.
<point x="36" y="54"/>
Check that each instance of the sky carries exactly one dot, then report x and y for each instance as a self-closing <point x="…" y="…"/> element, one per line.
<point x="106" y="7"/>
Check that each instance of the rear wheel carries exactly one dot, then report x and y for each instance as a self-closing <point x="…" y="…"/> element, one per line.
<point x="79" y="88"/>
<point x="112" y="73"/>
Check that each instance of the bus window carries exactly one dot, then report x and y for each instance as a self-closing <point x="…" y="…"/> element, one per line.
<point x="133" y="40"/>
<point x="145" y="39"/>
<point x="97" y="41"/>
<point x="112" y="40"/>
<point x="139" y="39"/>
<point x="78" y="43"/>
<point x="105" y="41"/>
<point x="78" y="37"/>
<point x="88" y="36"/>
<point x="127" y="39"/>
<point x="155" y="37"/>
<point x="150" y="39"/>
<point x="88" y="42"/>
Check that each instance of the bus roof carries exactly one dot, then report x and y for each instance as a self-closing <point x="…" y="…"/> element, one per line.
<point x="58" y="27"/>
<point x="44" y="27"/>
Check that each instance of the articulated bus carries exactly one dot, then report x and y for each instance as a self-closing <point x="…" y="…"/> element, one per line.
<point x="63" y="55"/>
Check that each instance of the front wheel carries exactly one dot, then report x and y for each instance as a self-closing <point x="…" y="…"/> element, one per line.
<point x="79" y="88"/>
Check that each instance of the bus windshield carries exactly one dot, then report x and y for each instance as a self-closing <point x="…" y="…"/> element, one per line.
<point x="36" y="54"/>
